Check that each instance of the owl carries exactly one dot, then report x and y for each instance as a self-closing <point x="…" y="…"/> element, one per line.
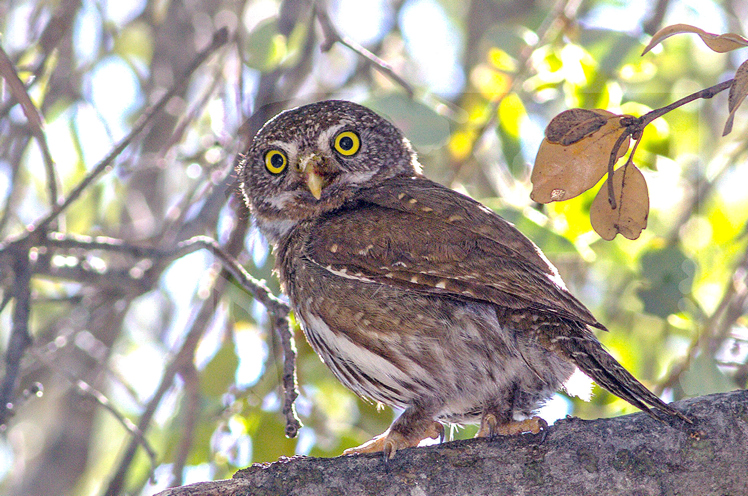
<point x="416" y="296"/>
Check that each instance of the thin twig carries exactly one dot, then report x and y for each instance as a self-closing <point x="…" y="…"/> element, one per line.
<point x="612" y="162"/>
<point x="705" y="93"/>
<point x="636" y="127"/>
<point x="253" y="286"/>
<point x="276" y="308"/>
<point x="282" y="326"/>
<point x="87" y="390"/>
<point x="34" y="118"/>
<point x="332" y="36"/>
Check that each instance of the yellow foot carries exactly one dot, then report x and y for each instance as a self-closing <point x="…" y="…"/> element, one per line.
<point x="371" y="446"/>
<point x="489" y="426"/>
<point x="391" y="440"/>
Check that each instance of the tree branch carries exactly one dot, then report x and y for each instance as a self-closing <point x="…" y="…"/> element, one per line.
<point x="86" y="389"/>
<point x="219" y="39"/>
<point x="332" y="36"/>
<point x="34" y="118"/>
<point x="20" y="339"/>
<point x="633" y="454"/>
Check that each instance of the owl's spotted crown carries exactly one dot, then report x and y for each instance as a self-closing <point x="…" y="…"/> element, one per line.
<point x="312" y="159"/>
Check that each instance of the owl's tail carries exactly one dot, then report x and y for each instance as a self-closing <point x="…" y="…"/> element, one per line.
<point x="590" y="356"/>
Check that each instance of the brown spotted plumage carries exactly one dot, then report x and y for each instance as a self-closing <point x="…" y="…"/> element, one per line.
<point x="414" y="295"/>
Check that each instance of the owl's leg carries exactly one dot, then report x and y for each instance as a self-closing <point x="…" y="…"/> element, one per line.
<point x="410" y="428"/>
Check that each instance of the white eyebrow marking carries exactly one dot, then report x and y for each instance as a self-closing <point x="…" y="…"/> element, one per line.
<point x="290" y="147"/>
<point x="323" y="142"/>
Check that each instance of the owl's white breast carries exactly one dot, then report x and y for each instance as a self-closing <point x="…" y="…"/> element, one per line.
<point x="345" y="355"/>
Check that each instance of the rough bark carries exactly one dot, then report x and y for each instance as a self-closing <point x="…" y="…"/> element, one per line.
<point x="629" y="455"/>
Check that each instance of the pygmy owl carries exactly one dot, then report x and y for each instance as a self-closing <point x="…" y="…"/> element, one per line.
<point x="414" y="295"/>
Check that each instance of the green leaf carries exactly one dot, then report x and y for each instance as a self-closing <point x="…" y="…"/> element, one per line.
<point x="420" y="124"/>
<point x="703" y="377"/>
<point x="266" y="47"/>
<point x="220" y="372"/>
<point x="668" y="275"/>
<point x="549" y="241"/>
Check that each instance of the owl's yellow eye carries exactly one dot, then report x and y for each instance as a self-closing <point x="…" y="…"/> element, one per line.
<point x="347" y="143"/>
<point x="275" y="161"/>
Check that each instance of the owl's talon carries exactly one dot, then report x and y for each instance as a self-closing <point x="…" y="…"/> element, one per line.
<point x="392" y="440"/>
<point x="543" y="430"/>
<point x="488" y="426"/>
<point x="434" y="430"/>
<point x="533" y="425"/>
<point x="373" y="445"/>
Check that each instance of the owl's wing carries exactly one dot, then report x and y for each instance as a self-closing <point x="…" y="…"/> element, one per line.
<point x="439" y="241"/>
<point x="416" y="234"/>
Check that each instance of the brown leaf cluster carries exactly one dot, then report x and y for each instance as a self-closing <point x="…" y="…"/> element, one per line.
<point x="582" y="145"/>
<point x="574" y="155"/>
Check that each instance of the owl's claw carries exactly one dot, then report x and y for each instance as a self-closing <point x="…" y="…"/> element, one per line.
<point x="490" y="427"/>
<point x="373" y="445"/>
<point x="392" y="440"/>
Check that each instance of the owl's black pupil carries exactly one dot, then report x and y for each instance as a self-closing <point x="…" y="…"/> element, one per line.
<point x="276" y="160"/>
<point x="346" y="143"/>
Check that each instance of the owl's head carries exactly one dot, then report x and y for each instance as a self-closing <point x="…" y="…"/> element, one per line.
<point x="310" y="160"/>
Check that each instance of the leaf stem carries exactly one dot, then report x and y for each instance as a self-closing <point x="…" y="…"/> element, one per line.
<point x="705" y="93"/>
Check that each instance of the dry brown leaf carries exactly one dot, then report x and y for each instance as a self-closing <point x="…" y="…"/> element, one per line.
<point x="632" y="199"/>
<point x="562" y="172"/>
<point x="738" y="92"/>
<point x="718" y="42"/>
<point x="572" y="125"/>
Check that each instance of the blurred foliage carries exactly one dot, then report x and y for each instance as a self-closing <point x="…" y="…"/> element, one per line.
<point x="487" y="76"/>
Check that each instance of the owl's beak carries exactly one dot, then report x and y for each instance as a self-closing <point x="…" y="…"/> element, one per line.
<point x="314" y="182"/>
<point x="312" y="169"/>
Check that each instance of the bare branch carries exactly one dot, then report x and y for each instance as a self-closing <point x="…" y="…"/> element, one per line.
<point x="20" y="339"/>
<point x="282" y="326"/>
<point x="256" y="288"/>
<point x="332" y="36"/>
<point x="87" y="390"/>
<point x="219" y="39"/>
<point x="632" y="454"/>
<point x="34" y="118"/>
